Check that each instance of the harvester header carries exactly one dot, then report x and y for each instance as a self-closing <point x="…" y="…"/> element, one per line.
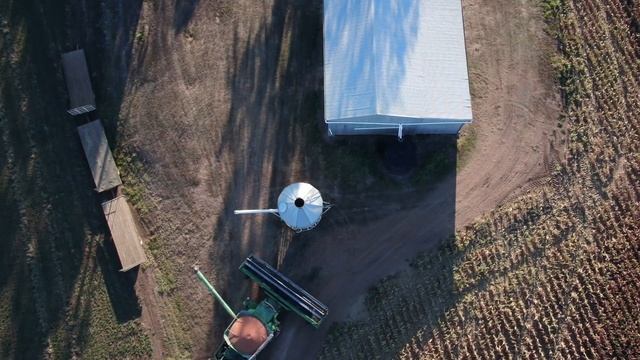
<point x="285" y="292"/>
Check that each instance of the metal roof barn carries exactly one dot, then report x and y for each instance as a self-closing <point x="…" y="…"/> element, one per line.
<point x="76" y="75"/>
<point x="395" y="67"/>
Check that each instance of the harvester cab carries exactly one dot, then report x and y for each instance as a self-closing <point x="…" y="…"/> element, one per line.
<point x="254" y="327"/>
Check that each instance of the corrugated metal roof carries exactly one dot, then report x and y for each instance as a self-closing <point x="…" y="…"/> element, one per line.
<point x="402" y="58"/>
<point x="300" y="206"/>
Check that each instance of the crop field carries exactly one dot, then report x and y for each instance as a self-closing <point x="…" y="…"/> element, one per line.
<point x="556" y="272"/>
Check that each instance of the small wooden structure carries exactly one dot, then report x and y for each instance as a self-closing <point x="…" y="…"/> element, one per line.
<point x="124" y="232"/>
<point x="98" y="154"/>
<point x="76" y="75"/>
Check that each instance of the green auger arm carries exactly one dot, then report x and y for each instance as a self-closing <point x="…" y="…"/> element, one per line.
<point x="213" y="292"/>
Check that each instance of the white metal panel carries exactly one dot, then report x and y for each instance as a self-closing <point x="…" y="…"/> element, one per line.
<point x="349" y="58"/>
<point x="407" y="57"/>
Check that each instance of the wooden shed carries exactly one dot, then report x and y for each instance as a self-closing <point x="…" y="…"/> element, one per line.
<point x="96" y="150"/>
<point x="124" y="232"/>
<point x="76" y="75"/>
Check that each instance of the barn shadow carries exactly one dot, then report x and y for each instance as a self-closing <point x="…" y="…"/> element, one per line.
<point x="53" y="219"/>
<point x="276" y="102"/>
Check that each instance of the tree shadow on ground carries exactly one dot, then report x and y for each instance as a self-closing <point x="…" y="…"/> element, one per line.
<point x="183" y="12"/>
<point x="43" y="175"/>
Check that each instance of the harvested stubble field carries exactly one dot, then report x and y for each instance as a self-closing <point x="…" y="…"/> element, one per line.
<point x="555" y="273"/>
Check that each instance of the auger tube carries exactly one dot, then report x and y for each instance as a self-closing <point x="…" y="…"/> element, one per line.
<point x="213" y="292"/>
<point x="256" y="211"/>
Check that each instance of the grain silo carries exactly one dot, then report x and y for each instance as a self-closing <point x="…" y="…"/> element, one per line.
<point x="300" y="206"/>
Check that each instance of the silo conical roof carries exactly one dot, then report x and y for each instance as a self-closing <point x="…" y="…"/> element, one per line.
<point x="300" y="206"/>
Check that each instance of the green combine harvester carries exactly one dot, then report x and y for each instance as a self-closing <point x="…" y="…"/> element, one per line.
<point x="254" y="327"/>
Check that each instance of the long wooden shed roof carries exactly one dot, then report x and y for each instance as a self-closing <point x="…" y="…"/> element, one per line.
<point x="98" y="154"/>
<point x="76" y="75"/>
<point x="124" y="232"/>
